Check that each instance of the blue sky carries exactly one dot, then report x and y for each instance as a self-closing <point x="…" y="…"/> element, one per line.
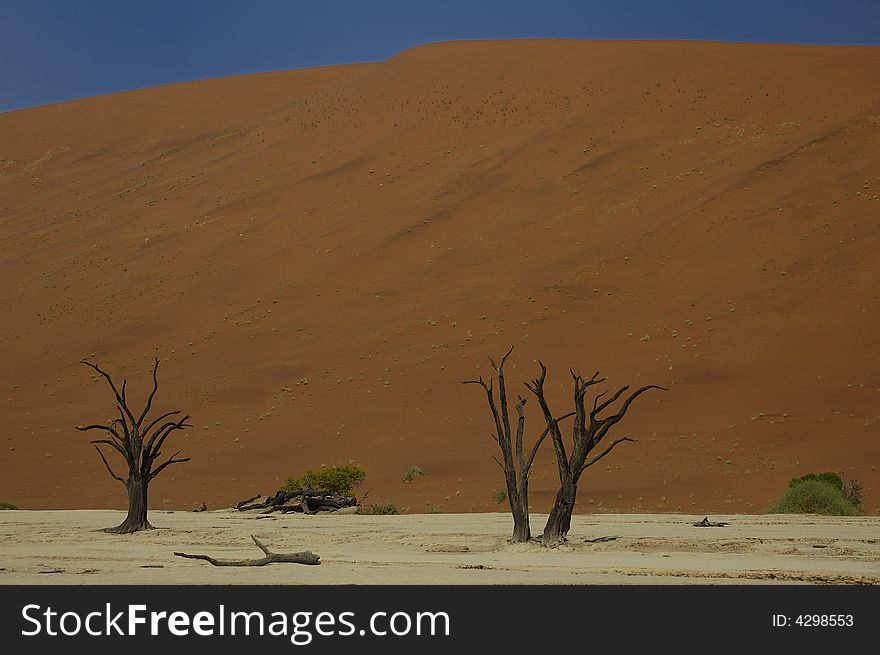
<point x="54" y="50"/>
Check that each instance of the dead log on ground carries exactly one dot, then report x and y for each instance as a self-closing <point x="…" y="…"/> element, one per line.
<point x="247" y="502"/>
<point x="306" y="557"/>
<point x="706" y="523"/>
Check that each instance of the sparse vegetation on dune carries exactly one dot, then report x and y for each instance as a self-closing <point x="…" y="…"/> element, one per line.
<point x="5" y="504"/>
<point x="412" y="473"/>
<point x="378" y="509"/>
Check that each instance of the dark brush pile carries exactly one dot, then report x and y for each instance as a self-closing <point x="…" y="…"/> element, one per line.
<point x="307" y="501"/>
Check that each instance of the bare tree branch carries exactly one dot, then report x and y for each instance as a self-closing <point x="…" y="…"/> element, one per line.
<point x="531" y="460"/>
<point x="119" y="398"/>
<point x="606" y="451"/>
<point x="605" y="424"/>
<point x="156" y="421"/>
<point x="635" y="395"/>
<point x="505" y="412"/>
<point x="490" y="398"/>
<point x="520" y="428"/>
<point x="167" y="463"/>
<point x="539" y="382"/>
<point x="106" y="428"/>
<point x="119" y="448"/>
<point x="124" y="436"/>
<point x="537" y="388"/>
<point x="479" y="381"/>
<point x="109" y="470"/>
<point x="503" y="359"/>
<point x="121" y="420"/>
<point x="611" y="400"/>
<point x="152" y="393"/>
<point x="158" y="438"/>
<point x="113" y="445"/>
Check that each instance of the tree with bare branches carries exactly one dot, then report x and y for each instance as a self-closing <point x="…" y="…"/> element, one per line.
<point x="515" y="463"/>
<point x="588" y="431"/>
<point x="140" y="444"/>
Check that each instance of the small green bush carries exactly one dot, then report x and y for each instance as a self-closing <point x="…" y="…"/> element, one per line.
<point x="813" y="496"/>
<point x="5" y="504"/>
<point x="377" y="508"/>
<point x="411" y="473"/>
<point x="335" y="479"/>
<point x="435" y="510"/>
<point x="827" y="477"/>
<point x="499" y="496"/>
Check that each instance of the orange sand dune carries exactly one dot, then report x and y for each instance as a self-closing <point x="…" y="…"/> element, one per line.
<point x="320" y="256"/>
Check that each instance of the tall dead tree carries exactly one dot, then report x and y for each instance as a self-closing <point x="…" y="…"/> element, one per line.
<point x="516" y="465"/>
<point x="140" y="444"/>
<point x="588" y="431"/>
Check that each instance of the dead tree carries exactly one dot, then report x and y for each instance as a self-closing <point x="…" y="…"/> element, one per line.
<point x="516" y="465"/>
<point x="140" y="444"/>
<point x="588" y="431"/>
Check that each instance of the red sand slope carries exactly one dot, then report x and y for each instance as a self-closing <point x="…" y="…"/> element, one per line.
<point x="319" y="256"/>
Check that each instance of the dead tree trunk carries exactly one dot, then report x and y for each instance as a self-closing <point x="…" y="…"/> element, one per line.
<point x="588" y="431"/>
<point x="559" y="519"/>
<point x="140" y="445"/>
<point x="515" y="463"/>
<point x="137" y="507"/>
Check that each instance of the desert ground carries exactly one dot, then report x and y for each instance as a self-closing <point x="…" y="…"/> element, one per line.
<point x="65" y="547"/>
<point x="319" y="256"/>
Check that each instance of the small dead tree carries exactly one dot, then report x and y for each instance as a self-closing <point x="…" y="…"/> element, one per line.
<point x="516" y="465"/>
<point x="588" y="431"/>
<point x="140" y="444"/>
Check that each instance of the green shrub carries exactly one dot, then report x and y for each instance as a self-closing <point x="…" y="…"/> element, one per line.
<point x="435" y="510"/>
<point x="813" y="496"/>
<point x="5" y="504"/>
<point x="335" y="479"/>
<point x="499" y="496"/>
<point x="411" y="473"/>
<point x="377" y="508"/>
<point x="827" y="477"/>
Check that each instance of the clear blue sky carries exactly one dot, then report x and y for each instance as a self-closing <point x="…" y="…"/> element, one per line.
<point x="53" y="50"/>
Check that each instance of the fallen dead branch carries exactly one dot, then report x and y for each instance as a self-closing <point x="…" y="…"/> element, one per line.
<point x="706" y="523"/>
<point x="305" y="557"/>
